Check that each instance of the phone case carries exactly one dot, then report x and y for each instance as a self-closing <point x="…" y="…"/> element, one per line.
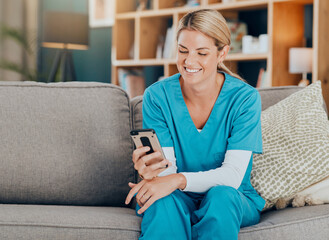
<point x="146" y="137"/>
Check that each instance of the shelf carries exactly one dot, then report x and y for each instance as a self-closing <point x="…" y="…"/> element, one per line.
<point x="157" y="62"/>
<point x="234" y="6"/>
<point x="247" y="57"/>
<point x="295" y="1"/>
<point x="241" y="5"/>
<point x="143" y="62"/>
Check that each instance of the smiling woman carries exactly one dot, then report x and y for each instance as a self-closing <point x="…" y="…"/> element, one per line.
<point x="207" y="120"/>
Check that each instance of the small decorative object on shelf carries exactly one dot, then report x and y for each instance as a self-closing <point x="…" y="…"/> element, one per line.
<point x="192" y="3"/>
<point x="142" y="5"/>
<point x="238" y="30"/>
<point x="179" y="3"/>
<point x="252" y="44"/>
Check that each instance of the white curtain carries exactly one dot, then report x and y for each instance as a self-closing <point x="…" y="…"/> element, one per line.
<point x="23" y="15"/>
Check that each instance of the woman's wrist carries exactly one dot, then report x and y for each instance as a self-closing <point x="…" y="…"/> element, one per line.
<point x="181" y="181"/>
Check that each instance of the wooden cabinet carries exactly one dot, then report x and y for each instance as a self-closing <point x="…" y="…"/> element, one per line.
<point x="136" y="35"/>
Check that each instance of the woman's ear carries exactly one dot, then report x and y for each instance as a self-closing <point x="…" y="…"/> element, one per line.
<point x="223" y="53"/>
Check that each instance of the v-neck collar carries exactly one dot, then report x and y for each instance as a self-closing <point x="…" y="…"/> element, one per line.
<point x="186" y="112"/>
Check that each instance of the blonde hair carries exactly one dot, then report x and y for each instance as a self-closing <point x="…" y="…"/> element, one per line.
<point x="213" y="24"/>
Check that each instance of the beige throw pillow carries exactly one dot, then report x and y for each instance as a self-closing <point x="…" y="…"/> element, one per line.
<point x="295" y="146"/>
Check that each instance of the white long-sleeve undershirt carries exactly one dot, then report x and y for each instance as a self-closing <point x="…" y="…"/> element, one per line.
<point x="231" y="172"/>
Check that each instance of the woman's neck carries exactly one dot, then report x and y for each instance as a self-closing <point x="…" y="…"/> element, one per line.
<point x="203" y="93"/>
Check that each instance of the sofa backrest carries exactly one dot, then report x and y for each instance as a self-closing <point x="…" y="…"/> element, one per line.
<point x="64" y="143"/>
<point x="273" y="95"/>
<point x="269" y="96"/>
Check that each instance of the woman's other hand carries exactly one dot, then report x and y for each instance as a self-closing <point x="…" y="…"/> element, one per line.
<point x="150" y="165"/>
<point x="148" y="191"/>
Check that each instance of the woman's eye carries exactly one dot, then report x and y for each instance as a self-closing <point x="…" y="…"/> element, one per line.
<point x="182" y="51"/>
<point x="202" y="54"/>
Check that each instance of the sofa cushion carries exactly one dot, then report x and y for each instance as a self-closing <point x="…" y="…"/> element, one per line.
<point x="309" y="222"/>
<point x="74" y="222"/>
<point x="68" y="222"/>
<point x="295" y="146"/>
<point x="64" y="143"/>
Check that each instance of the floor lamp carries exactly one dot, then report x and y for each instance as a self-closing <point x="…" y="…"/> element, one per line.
<point x="65" y="31"/>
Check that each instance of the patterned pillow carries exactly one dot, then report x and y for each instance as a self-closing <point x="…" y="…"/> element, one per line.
<point x="295" y="146"/>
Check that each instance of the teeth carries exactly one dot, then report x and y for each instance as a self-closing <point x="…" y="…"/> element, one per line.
<point x="192" y="70"/>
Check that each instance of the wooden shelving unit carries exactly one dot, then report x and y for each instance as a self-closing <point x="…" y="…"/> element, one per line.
<point x="136" y="35"/>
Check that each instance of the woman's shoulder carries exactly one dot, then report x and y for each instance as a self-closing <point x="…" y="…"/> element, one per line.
<point x="241" y="88"/>
<point x="158" y="92"/>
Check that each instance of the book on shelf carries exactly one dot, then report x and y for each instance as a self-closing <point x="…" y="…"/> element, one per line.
<point x="260" y="76"/>
<point x="263" y="80"/>
<point x="159" y="52"/>
<point x="169" y="44"/>
<point x="132" y="81"/>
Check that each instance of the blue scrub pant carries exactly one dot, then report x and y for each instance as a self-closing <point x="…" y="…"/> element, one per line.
<point x="217" y="214"/>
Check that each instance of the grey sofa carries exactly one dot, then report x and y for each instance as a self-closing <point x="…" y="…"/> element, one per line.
<point x="65" y="154"/>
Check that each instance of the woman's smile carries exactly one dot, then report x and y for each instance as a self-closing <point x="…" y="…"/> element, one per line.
<point x="192" y="70"/>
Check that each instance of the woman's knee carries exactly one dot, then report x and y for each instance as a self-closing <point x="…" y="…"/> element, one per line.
<point x="222" y="192"/>
<point x="223" y="197"/>
<point x="163" y="205"/>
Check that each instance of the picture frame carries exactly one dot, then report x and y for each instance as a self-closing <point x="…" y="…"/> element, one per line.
<point x="101" y="13"/>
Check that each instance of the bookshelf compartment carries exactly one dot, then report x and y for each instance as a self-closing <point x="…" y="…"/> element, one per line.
<point x="171" y="3"/>
<point x="124" y="39"/>
<point x="214" y="1"/>
<point x="125" y="6"/>
<point x="152" y="30"/>
<point x="171" y="69"/>
<point x="286" y="36"/>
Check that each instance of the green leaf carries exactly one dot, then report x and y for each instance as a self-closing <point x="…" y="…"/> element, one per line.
<point x="17" y="35"/>
<point x="18" y="69"/>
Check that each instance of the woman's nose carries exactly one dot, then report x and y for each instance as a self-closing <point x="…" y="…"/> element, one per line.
<point x="190" y="59"/>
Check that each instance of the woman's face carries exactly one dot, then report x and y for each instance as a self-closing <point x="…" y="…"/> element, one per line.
<point x="197" y="56"/>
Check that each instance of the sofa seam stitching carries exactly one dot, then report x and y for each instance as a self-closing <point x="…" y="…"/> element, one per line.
<point x="285" y="224"/>
<point x="63" y="226"/>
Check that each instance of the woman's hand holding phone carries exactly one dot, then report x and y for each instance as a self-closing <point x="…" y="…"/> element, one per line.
<point x="149" y="165"/>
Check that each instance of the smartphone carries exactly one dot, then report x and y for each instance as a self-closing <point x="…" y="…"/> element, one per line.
<point x="146" y="137"/>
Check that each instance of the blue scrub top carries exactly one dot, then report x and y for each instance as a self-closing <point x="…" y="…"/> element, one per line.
<point x="234" y="124"/>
